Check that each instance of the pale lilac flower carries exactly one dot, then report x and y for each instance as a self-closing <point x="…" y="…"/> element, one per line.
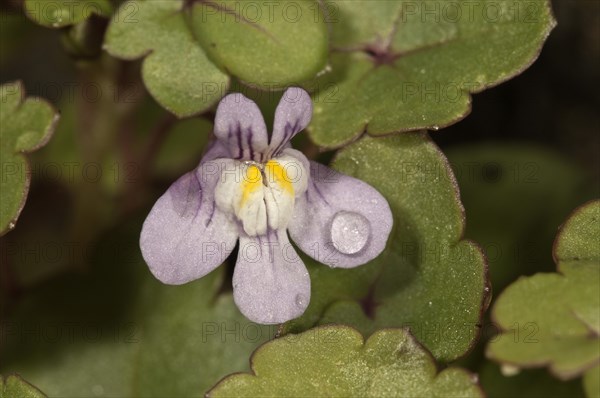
<point x="256" y="190"/>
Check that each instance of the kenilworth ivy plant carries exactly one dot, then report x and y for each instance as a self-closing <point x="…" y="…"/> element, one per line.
<point x="259" y="208"/>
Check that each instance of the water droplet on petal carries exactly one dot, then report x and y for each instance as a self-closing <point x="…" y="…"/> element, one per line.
<point x="350" y="232"/>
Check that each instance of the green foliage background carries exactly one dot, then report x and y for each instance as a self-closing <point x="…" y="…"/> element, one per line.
<point x="81" y="315"/>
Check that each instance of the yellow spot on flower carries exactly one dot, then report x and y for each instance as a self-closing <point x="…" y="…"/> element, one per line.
<point x="251" y="183"/>
<point x="277" y="174"/>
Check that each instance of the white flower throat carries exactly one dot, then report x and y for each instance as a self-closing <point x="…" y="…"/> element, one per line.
<point x="261" y="195"/>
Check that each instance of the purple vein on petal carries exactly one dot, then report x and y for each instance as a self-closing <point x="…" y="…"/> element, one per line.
<point x="318" y="191"/>
<point x="230" y="137"/>
<point x="197" y="193"/>
<point x="250" y="142"/>
<point x="288" y="130"/>
<point x="239" y="139"/>
<point x="212" y="213"/>
<point x="192" y="192"/>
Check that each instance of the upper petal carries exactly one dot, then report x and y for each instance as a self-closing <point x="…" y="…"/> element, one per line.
<point x="186" y="236"/>
<point x="215" y="150"/>
<point x="270" y="282"/>
<point x="291" y="116"/>
<point x="241" y="127"/>
<point x="340" y="221"/>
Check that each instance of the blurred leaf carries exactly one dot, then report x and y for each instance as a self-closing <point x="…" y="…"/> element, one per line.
<point x="13" y="386"/>
<point x="84" y="40"/>
<point x="192" y="338"/>
<point x="403" y="66"/>
<point x="58" y="14"/>
<point x="528" y="383"/>
<point x="553" y="319"/>
<point x="14" y="33"/>
<point x="182" y="149"/>
<point x="117" y="331"/>
<point x="336" y="361"/>
<point x="25" y="125"/>
<point x="41" y="246"/>
<point x="268" y="44"/>
<point x="515" y="198"/>
<point x="176" y="70"/>
<point x="428" y="278"/>
<point x="591" y="382"/>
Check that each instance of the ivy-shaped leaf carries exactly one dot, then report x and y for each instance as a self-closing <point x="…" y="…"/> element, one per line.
<point x="25" y="125"/>
<point x="428" y="278"/>
<point x="265" y="44"/>
<point x="117" y="331"/>
<point x="553" y="319"/>
<point x="58" y="14"/>
<point x="405" y="65"/>
<point x="13" y="386"/>
<point x="176" y="70"/>
<point x="336" y="361"/>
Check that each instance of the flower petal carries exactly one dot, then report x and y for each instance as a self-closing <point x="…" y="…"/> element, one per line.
<point x="241" y="127"/>
<point x="215" y="150"/>
<point x="340" y="221"/>
<point x="186" y="236"/>
<point x="270" y="282"/>
<point x="297" y="168"/>
<point x="240" y="192"/>
<point x="291" y="116"/>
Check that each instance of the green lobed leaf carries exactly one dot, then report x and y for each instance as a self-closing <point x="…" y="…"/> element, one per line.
<point x="265" y="44"/>
<point x="114" y="330"/>
<point x="405" y="65"/>
<point x="336" y="361"/>
<point x="13" y="386"/>
<point x="553" y="319"/>
<point x="428" y="278"/>
<point x="176" y="70"/>
<point x="58" y="14"/>
<point x="25" y="125"/>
